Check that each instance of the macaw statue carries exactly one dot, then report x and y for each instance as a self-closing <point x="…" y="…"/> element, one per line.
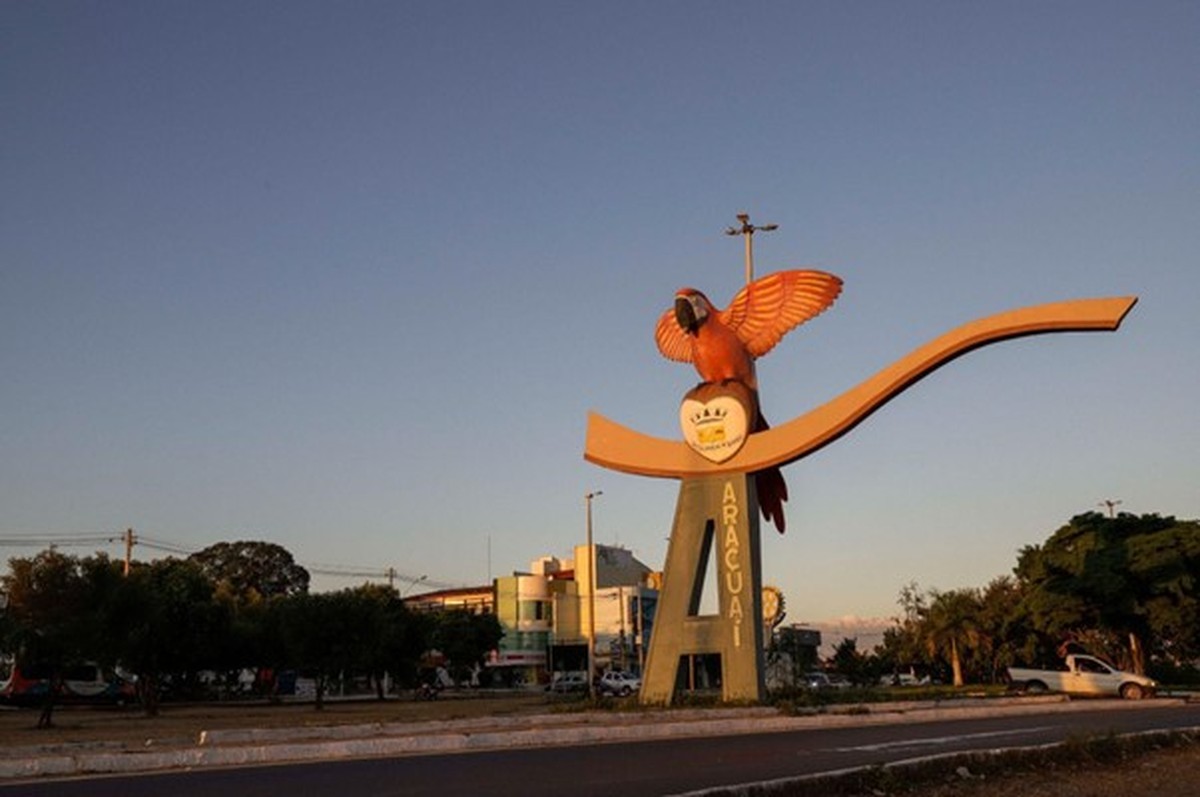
<point x="723" y="344"/>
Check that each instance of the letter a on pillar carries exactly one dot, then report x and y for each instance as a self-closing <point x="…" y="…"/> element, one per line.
<point x="718" y="513"/>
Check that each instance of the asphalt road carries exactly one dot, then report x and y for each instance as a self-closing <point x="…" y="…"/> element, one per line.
<point x="645" y="768"/>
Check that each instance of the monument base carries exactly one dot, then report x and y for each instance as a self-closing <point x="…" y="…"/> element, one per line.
<point x="714" y="515"/>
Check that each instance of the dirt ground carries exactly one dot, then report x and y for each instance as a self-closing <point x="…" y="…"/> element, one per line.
<point x="182" y="724"/>
<point x="1163" y="773"/>
<point x="1166" y="773"/>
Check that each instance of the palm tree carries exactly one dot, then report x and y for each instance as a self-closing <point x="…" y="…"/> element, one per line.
<point x="952" y="623"/>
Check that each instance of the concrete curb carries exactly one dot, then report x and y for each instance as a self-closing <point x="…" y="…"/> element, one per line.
<point x="513" y="723"/>
<point x="262" y="746"/>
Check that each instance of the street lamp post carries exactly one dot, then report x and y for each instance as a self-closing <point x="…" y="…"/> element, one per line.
<point x="412" y="585"/>
<point x="591" y="552"/>
<point x="747" y="231"/>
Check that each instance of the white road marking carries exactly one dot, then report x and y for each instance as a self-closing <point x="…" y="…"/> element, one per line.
<point x="934" y="741"/>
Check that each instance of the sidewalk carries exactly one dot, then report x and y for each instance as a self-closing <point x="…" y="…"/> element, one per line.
<point x="238" y="747"/>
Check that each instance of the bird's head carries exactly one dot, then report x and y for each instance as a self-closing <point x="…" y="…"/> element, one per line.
<point x="692" y="308"/>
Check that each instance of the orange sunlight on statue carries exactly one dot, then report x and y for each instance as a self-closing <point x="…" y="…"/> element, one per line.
<point x="723" y="345"/>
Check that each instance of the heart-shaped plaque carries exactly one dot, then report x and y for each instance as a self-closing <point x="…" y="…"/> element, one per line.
<point x="716" y="429"/>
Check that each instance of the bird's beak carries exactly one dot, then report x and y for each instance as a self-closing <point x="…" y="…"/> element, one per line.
<point x="690" y="313"/>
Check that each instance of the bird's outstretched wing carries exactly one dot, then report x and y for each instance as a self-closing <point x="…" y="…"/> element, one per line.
<point x="766" y="309"/>
<point x="671" y="339"/>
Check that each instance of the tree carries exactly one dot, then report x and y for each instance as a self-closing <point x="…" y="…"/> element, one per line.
<point x="328" y="635"/>
<point x="1129" y="580"/>
<point x="1165" y="564"/>
<point x="1007" y="636"/>
<point x="848" y="661"/>
<point x="56" y="606"/>
<point x="951" y="625"/>
<point x="260" y="637"/>
<point x="250" y="571"/>
<point x="465" y="639"/>
<point x="165" y="621"/>
<point x="395" y="638"/>
<point x="904" y="642"/>
<point x="973" y="632"/>
<point x="1125" y="587"/>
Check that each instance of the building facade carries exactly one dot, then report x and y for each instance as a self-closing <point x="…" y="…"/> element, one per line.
<point x="525" y="609"/>
<point x="477" y="600"/>
<point x="548" y="618"/>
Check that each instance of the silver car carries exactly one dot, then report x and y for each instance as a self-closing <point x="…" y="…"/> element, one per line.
<point x="619" y="682"/>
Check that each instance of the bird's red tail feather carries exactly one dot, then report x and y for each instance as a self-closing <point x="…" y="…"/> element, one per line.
<point x="772" y="492"/>
<point x="769" y="484"/>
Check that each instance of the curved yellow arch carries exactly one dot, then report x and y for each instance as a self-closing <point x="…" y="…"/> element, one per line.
<point x="618" y="447"/>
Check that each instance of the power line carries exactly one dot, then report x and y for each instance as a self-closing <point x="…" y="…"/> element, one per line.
<point x="163" y="545"/>
<point x="61" y="540"/>
<point x="388" y="574"/>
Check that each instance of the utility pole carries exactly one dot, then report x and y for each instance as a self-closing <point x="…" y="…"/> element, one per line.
<point x="747" y="231"/>
<point x="591" y="553"/>
<point x="1111" y="505"/>
<point x="129" y="540"/>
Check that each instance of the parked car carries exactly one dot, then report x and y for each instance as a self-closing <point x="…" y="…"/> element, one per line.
<point x="619" y="682"/>
<point x="570" y="681"/>
<point x="1083" y="675"/>
<point x="821" y="680"/>
<point x="905" y="679"/>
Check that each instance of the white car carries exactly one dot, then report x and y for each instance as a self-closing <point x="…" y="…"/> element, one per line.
<point x="1084" y="675"/>
<point x="820" y="680"/>
<point x="619" y="682"/>
<point x="571" y="681"/>
<point x="905" y="679"/>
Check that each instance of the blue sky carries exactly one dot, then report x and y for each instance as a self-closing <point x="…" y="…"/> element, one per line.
<point x="348" y="276"/>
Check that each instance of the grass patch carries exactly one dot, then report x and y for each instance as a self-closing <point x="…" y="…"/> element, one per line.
<point x="804" y="701"/>
<point x="798" y="701"/>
